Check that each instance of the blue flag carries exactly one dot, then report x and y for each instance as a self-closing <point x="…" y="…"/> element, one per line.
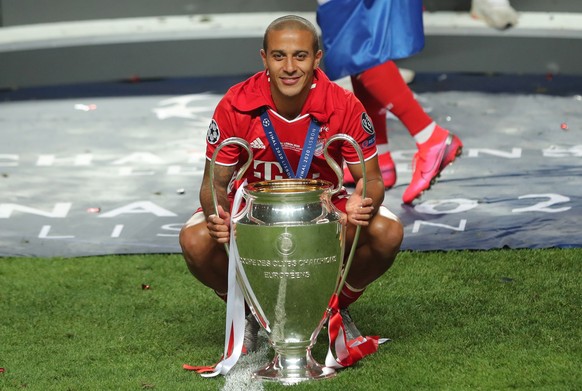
<point x="360" y="34"/>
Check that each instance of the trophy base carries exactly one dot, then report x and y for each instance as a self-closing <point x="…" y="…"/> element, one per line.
<point x="290" y="370"/>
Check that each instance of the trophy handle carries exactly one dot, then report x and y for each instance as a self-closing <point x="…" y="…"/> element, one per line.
<point x="339" y="172"/>
<point x="229" y="141"/>
<point x="336" y="168"/>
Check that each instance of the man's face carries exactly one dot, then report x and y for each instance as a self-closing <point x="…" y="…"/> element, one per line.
<point x="290" y="61"/>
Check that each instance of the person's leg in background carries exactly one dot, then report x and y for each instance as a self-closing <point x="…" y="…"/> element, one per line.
<point x="382" y="88"/>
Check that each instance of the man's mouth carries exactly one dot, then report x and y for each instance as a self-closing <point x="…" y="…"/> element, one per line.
<point x="290" y="81"/>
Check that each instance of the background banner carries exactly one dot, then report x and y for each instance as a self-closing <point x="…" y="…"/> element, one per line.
<point x="120" y="175"/>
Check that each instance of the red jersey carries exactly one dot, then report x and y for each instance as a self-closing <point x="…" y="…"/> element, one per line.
<point x="335" y="110"/>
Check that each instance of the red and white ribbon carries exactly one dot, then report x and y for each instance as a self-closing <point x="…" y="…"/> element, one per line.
<point x="347" y="353"/>
<point x="235" y="311"/>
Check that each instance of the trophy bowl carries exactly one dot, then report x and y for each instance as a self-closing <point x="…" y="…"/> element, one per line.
<point x="291" y="248"/>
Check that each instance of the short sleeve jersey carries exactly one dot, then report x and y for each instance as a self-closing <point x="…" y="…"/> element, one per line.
<point x="335" y="109"/>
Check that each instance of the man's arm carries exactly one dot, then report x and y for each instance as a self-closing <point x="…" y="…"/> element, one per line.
<point x="218" y="222"/>
<point x="360" y="210"/>
<point x="222" y="177"/>
<point x="375" y="185"/>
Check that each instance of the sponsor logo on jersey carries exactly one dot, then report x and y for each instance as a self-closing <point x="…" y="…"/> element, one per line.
<point x="213" y="134"/>
<point x="257" y="144"/>
<point x="367" y="123"/>
<point x="369" y="141"/>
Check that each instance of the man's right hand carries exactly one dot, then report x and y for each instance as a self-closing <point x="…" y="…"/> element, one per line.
<point x="219" y="226"/>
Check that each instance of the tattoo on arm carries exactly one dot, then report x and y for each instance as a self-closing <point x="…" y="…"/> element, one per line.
<point x="222" y="177"/>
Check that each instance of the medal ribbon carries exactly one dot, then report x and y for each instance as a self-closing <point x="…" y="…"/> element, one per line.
<point x="308" y="146"/>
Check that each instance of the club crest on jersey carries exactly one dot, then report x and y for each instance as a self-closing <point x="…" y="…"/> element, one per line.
<point x="319" y="147"/>
<point x="213" y="134"/>
<point x="367" y="123"/>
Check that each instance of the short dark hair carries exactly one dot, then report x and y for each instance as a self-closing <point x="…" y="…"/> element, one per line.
<point x="292" y="22"/>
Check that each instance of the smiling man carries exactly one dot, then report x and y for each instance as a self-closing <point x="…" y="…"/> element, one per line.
<point x="303" y="109"/>
<point x="290" y="54"/>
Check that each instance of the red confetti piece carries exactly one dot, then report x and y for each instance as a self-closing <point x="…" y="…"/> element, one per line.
<point x="564" y="126"/>
<point x="145" y="286"/>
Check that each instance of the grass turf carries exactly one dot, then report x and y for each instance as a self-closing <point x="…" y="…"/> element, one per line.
<point x="485" y="320"/>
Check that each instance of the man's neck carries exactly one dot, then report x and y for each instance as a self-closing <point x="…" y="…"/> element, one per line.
<point x="289" y="108"/>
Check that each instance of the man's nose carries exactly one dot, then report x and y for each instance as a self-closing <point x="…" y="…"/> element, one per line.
<point x="289" y="66"/>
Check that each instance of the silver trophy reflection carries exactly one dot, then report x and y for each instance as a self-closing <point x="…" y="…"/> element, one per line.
<point x="291" y="249"/>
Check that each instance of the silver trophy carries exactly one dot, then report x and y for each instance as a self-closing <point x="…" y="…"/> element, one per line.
<point x="291" y="249"/>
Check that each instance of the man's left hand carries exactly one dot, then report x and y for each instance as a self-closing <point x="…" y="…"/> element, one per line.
<point x="358" y="209"/>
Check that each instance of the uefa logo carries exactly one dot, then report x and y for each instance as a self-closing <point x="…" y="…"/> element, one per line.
<point x="285" y="244"/>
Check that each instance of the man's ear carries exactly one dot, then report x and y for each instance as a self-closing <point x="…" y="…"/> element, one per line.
<point x="264" y="58"/>
<point x="318" y="57"/>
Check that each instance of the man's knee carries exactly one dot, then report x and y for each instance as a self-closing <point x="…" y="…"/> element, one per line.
<point x="205" y="258"/>
<point x="194" y="239"/>
<point x="386" y="231"/>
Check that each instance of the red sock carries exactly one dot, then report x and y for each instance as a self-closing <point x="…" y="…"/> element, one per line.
<point x="385" y="86"/>
<point x="375" y="109"/>
<point x="348" y="295"/>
